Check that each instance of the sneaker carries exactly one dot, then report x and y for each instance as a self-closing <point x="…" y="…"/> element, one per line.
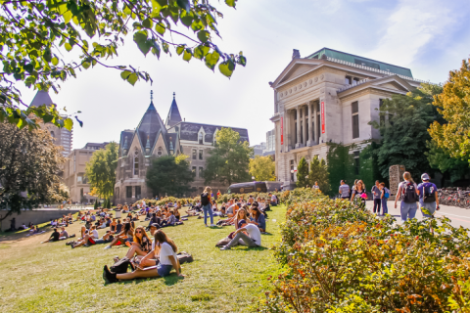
<point x="212" y="225"/>
<point x="225" y="248"/>
<point x="107" y="247"/>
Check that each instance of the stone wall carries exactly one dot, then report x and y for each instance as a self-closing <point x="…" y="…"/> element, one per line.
<point x="395" y="173"/>
<point x="35" y="216"/>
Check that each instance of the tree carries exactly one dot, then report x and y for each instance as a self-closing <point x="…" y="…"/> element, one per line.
<point x="37" y="34"/>
<point x="453" y="169"/>
<point x="29" y="169"/>
<point x="453" y="136"/>
<point x="229" y="161"/>
<point x="403" y="127"/>
<point x="170" y="175"/>
<point x="262" y="168"/>
<point x="302" y="173"/>
<point x="319" y="173"/>
<point x="101" y="170"/>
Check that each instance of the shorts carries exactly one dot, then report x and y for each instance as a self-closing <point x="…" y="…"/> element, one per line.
<point x="164" y="270"/>
<point x="91" y="241"/>
<point x="129" y="240"/>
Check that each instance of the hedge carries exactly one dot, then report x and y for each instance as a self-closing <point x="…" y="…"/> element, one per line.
<point x="335" y="256"/>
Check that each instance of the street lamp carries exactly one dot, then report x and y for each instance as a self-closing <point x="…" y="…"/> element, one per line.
<point x="252" y="177"/>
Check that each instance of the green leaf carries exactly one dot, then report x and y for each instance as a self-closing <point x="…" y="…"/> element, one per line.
<point x="231" y="3"/>
<point x="203" y="35"/>
<point x="147" y="23"/>
<point x="142" y="42"/>
<point x="68" y="46"/>
<point x="180" y="49"/>
<point x="227" y="68"/>
<point x="186" y="18"/>
<point x="184" y="4"/>
<point x="125" y="74"/>
<point x="132" y="78"/>
<point x="187" y="55"/>
<point x="55" y="61"/>
<point x="160" y="28"/>
<point x="241" y="60"/>
<point x="212" y="59"/>
<point x="86" y="65"/>
<point x="68" y="124"/>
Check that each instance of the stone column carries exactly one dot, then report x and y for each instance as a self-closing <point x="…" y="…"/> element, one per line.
<point x="298" y="144"/>
<point x="304" y="126"/>
<point x="315" y="139"/>
<point x="287" y="131"/>
<point x="309" y="123"/>
<point x="395" y="174"/>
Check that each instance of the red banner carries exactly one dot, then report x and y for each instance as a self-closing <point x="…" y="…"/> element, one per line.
<point x="282" y="131"/>
<point x="322" y="117"/>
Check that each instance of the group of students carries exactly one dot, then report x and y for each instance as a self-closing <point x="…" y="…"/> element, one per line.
<point x="409" y="194"/>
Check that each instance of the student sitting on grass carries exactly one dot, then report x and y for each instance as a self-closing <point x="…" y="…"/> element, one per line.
<point x="163" y="248"/>
<point x="54" y="236"/>
<point x="88" y="239"/>
<point x="257" y="218"/>
<point x="142" y="244"/>
<point x="126" y="235"/>
<point x="253" y="239"/>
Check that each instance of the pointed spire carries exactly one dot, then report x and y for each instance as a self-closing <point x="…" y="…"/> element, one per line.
<point x="174" y="94"/>
<point x="151" y="95"/>
<point x="174" y="116"/>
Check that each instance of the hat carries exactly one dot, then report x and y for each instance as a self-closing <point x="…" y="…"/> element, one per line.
<point x="154" y="225"/>
<point x="241" y="222"/>
<point x="425" y="177"/>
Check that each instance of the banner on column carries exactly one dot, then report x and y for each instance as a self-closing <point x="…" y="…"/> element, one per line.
<point x="322" y="117"/>
<point x="282" y="130"/>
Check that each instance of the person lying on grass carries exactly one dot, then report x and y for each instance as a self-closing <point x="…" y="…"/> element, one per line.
<point x="166" y="253"/>
<point x="127" y="236"/>
<point x="253" y="239"/>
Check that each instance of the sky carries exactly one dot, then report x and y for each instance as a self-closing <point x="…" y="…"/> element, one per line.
<point x="429" y="36"/>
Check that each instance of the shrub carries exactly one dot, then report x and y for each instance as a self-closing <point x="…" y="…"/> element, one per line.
<point x="338" y="257"/>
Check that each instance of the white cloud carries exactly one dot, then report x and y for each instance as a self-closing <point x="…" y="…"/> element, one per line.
<point x="412" y="26"/>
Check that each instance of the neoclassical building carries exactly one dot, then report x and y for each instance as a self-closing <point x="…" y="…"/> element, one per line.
<point x="154" y="138"/>
<point x="329" y="96"/>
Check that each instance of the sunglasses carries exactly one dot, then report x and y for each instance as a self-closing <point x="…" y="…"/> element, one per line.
<point x="138" y="232"/>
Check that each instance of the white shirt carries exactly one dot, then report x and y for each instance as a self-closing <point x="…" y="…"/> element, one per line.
<point x="253" y="232"/>
<point x="165" y="251"/>
<point x="95" y="234"/>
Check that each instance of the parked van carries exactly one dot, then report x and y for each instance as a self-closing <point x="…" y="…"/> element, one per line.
<point x="255" y="186"/>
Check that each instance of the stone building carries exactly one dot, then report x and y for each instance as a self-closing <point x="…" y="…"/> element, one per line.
<point x="74" y="172"/>
<point x="330" y="96"/>
<point x="154" y="138"/>
<point x="62" y="136"/>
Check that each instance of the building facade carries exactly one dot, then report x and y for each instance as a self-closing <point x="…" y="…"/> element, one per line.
<point x="154" y="138"/>
<point x="329" y="96"/>
<point x="74" y="172"/>
<point x="62" y="137"/>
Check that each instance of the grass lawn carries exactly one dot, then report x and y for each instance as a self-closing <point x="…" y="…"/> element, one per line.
<point x="54" y="278"/>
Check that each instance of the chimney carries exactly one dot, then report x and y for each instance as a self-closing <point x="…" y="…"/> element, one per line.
<point x="296" y="54"/>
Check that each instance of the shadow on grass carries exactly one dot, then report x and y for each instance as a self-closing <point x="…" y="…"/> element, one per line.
<point x="169" y="280"/>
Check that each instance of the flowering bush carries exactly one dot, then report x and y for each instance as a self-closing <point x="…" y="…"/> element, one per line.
<point x="338" y="257"/>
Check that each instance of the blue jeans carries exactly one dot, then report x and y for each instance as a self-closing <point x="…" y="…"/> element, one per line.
<point x="431" y="207"/>
<point x="208" y="211"/>
<point x="384" y="206"/>
<point x="408" y="210"/>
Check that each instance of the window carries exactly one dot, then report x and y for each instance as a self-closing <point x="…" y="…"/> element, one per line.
<point x="201" y="169"/>
<point x="301" y="132"/>
<point x="318" y="126"/>
<point x="81" y="194"/>
<point x="74" y="163"/>
<point x="160" y="150"/>
<point x="194" y="169"/>
<point x="129" y="192"/>
<point x="79" y="179"/>
<point x="348" y="80"/>
<point x="138" y="192"/>
<point x="355" y="119"/>
<point x="201" y="138"/>
<point x="292" y="170"/>
<point x="357" y="165"/>
<point x="52" y="134"/>
<point x="194" y="154"/>
<point x="295" y="132"/>
<point x="200" y="154"/>
<point x="136" y="163"/>
<point x="355" y="81"/>
<point x="381" y="115"/>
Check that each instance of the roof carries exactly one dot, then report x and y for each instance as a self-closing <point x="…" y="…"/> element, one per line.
<point x="189" y="131"/>
<point x="126" y="139"/>
<point x="95" y="146"/>
<point x="149" y="127"/>
<point x="41" y="97"/>
<point x="360" y="61"/>
<point x="174" y="116"/>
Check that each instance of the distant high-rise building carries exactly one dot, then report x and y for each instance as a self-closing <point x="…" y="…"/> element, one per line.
<point x="271" y="140"/>
<point x="62" y="136"/>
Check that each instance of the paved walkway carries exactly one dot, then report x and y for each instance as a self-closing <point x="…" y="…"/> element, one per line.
<point x="459" y="216"/>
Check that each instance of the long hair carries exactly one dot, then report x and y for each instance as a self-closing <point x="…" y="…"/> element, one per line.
<point x="255" y="209"/>
<point x="360" y="184"/>
<point x="127" y="226"/>
<point x="208" y="190"/>
<point x="243" y="209"/>
<point x="144" y="234"/>
<point x="407" y="176"/>
<point x="161" y="237"/>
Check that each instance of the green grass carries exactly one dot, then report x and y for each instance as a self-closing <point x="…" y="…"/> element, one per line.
<point x="54" y="278"/>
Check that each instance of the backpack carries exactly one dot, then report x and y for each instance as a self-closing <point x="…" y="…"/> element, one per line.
<point x="409" y="193"/>
<point x="120" y="267"/>
<point x="429" y="194"/>
<point x="387" y="193"/>
<point x="184" y="257"/>
<point x="204" y="199"/>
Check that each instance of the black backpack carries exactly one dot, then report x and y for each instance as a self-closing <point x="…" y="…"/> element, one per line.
<point x="409" y="192"/>
<point x="204" y="198"/>
<point x="120" y="267"/>
<point x="429" y="193"/>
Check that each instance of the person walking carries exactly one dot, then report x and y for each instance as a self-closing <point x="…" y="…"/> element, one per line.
<point x="344" y="190"/>
<point x="359" y="192"/>
<point x="428" y="198"/>
<point x="377" y="196"/>
<point x="385" y="194"/>
<point x="207" y="205"/>
<point x="408" y="194"/>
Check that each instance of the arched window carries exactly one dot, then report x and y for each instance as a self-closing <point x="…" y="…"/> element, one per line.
<point x="160" y="151"/>
<point x="52" y="134"/>
<point x="136" y="163"/>
<point x="201" y="138"/>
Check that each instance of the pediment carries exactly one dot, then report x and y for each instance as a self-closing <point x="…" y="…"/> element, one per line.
<point x="393" y="85"/>
<point x="160" y="144"/>
<point x="295" y="69"/>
